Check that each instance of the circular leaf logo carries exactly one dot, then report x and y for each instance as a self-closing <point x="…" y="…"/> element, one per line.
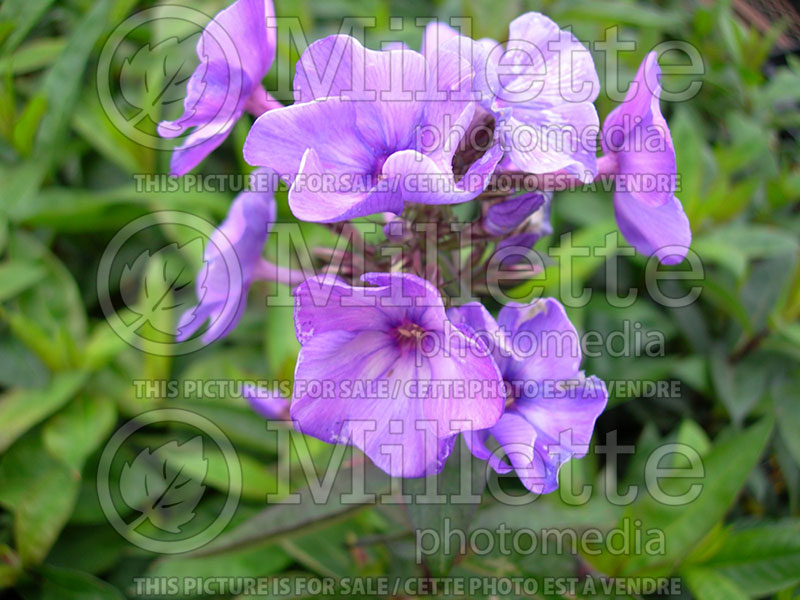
<point x="145" y="284"/>
<point x="150" y="492"/>
<point x="136" y="83"/>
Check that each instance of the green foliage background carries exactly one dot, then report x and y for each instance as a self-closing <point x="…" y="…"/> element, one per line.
<point x="67" y="186"/>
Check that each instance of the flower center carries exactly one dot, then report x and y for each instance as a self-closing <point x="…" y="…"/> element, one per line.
<point x="510" y="397"/>
<point x="410" y="331"/>
<point x="477" y="140"/>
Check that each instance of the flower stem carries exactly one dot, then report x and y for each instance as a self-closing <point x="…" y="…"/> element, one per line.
<point x="269" y="271"/>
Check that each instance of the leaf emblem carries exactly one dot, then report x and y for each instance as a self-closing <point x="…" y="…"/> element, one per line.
<point x="156" y="75"/>
<point x="171" y="478"/>
<point x="164" y="274"/>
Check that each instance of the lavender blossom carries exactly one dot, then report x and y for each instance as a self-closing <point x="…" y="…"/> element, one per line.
<point x="267" y="403"/>
<point x="235" y="50"/>
<point x="505" y="216"/>
<point x="539" y="90"/>
<point x="636" y="135"/>
<point x="381" y="369"/>
<point x="552" y="406"/>
<point x="373" y="131"/>
<point x="231" y="261"/>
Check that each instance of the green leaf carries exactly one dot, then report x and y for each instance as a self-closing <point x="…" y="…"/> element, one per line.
<point x="103" y="345"/>
<point x="761" y="559"/>
<point x="346" y="496"/>
<point x="33" y="56"/>
<point x="58" y="584"/>
<point x="726" y="301"/>
<point x="787" y="415"/>
<point x="694" y="162"/>
<point x="21" y="409"/>
<point x="576" y="256"/>
<point x="61" y="87"/>
<point x="16" y="276"/>
<point x="692" y="435"/>
<point x="50" y="318"/>
<point x="69" y="209"/>
<point x="40" y="491"/>
<point x="756" y="241"/>
<point x="620" y="13"/>
<point x="761" y="292"/>
<point x="706" y="584"/>
<point x="63" y="82"/>
<point x="23" y="15"/>
<point x="93" y="549"/>
<point x="258" y="561"/>
<point x="326" y="552"/>
<point x="74" y="433"/>
<point x="53" y="352"/>
<point x="441" y="503"/>
<point x="739" y="385"/>
<point x="210" y="467"/>
<point x="684" y="524"/>
<point x="243" y="426"/>
<point x="93" y="125"/>
<point x="721" y="252"/>
<point x="28" y="123"/>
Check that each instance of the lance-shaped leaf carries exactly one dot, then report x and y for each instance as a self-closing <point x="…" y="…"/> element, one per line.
<point x="350" y="490"/>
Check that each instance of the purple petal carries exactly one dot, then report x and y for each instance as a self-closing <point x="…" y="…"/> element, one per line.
<point x="662" y="231"/>
<point x="547" y="77"/>
<point x="539" y="435"/>
<point x="279" y="138"/>
<point x="382" y="84"/>
<point x="230" y="259"/>
<point x="558" y="64"/>
<point x="546" y="344"/>
<point x="267" y="403"/>
<point x="313" y="200"/>
<point x="507" y="215"/>
<point x="554" y="139"/>
<point x="637" y="134"/>
<point x="324" y="304"/>
<point x="420" y="178"/>
<point x="476" y="443"/>
<point x="378" y="400"/>
<point x="436" y="34"/>
<point x="564" y="420"/>
<point x="389" y="397"/>
<point x="191" y="320"/>
<point x="195" y="148"/>
<point x="235" y="51"/>
<point x="476" y="322"/>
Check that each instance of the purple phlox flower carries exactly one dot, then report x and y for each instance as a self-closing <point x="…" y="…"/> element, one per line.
<point x="268" y="403"/>
<point x="551" y="407"/>
<point x="533" y="228"/>
<point x="544" y="84"/>
<point x="371" y="130"/>
<point x="505" y="216"/>
<point x="636" y="135"/>
<point x="381" y="368"/>
<point x="235" y="50"/>
<point x="526" y="218"/>
<point x="231" y="260"/>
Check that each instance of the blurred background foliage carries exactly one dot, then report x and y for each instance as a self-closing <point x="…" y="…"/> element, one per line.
<point x="67" y="186"/>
